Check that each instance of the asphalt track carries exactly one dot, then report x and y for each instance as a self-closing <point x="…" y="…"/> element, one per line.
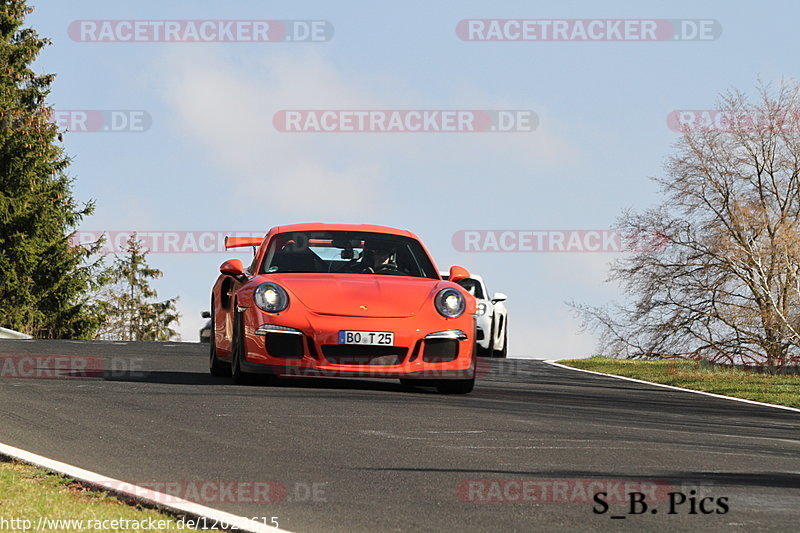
<point x="371" y="455"/>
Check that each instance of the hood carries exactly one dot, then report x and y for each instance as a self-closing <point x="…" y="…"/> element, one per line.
<point x="362" y="295"/>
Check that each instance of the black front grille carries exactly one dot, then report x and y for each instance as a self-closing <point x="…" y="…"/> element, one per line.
<point x="440" y="350"/>
<point x="354" y="354"/>
<point x="312" y="349"/>
<point x="284" y="345"/>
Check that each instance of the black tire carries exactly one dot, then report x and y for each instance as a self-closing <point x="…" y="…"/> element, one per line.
<point x="217" y="368"/>
<point x="502" y="354"/>
<point x="488" y="352"/>
<point x="456" y="386"/>
<point x="460" y="386"/>
<point x="239" y="376"/>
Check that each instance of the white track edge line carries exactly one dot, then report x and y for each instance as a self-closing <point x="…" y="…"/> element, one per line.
<point x="552" y="362"/>
<point x="136" y="493"/>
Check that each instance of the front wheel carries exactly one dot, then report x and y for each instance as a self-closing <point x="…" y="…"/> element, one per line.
<point x="489" y="351"/>
<point x="239" y="376"/>
<point x="456" y="386"/>
<point x="215" y="366"/>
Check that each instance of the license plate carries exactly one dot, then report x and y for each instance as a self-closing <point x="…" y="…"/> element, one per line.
<point x="372" y="338"/>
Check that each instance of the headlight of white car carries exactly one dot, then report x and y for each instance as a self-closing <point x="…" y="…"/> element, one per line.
<point x="450" y="303"/>
<point x="481" y="309"/>
<point x="271" y="297"/>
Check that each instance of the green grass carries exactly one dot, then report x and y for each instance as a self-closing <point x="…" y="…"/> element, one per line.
<point x="776" y="389"/>
<point x="27" y="492"/>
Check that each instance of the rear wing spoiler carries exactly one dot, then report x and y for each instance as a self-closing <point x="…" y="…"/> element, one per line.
<point x="242" y="242"/>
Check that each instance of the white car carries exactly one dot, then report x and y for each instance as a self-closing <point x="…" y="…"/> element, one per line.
<point x="205" y="333"/>
<point x="492" y="317"/>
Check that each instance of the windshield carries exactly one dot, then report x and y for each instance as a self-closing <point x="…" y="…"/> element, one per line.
<point x="347" y="252"/>
<point x="473" y="287"/>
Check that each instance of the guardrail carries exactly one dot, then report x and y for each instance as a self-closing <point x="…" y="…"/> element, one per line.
<point x="11" y="334"/>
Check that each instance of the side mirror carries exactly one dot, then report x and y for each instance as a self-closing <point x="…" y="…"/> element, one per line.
<point x="233" y="267"/>
<point x="206" y="314"/>
<point x="499" y="297"/>
<point x="458" y="273"/>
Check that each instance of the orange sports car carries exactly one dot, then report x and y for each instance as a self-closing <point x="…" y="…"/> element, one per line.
<point x="342" y="300"/>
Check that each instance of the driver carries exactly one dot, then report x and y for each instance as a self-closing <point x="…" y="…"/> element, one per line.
<point x="378" y="255"/>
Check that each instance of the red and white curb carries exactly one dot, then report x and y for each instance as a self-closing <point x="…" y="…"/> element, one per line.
<point x="139" y="494"/>
<point x="742" y="400"/>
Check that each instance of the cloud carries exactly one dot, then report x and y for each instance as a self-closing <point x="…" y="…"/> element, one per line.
<point x="226" y="105"/>
<point x="228" y="111"/>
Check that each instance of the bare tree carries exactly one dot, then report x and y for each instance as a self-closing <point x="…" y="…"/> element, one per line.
<point x="726" y="285"/>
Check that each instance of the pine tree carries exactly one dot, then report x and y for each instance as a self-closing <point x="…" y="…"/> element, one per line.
<point x="131" y="314"/>
<point x="44" y="278"/>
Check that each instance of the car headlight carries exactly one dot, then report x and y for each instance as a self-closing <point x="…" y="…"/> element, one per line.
<point x="450" y="303"/>
<point x="481" y="309"/>
<point x="271" y="297"/>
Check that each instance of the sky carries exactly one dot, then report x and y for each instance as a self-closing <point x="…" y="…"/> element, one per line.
<point x="183" y="135"/>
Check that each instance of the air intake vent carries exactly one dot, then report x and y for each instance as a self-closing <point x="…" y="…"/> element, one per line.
<point x="348" y="354"/>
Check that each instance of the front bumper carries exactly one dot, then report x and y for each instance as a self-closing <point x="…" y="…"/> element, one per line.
<point x="277" y="345"/>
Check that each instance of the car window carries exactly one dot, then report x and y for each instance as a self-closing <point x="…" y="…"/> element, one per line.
<point x="347" y="252"/>
<point x="473" y="287"/>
